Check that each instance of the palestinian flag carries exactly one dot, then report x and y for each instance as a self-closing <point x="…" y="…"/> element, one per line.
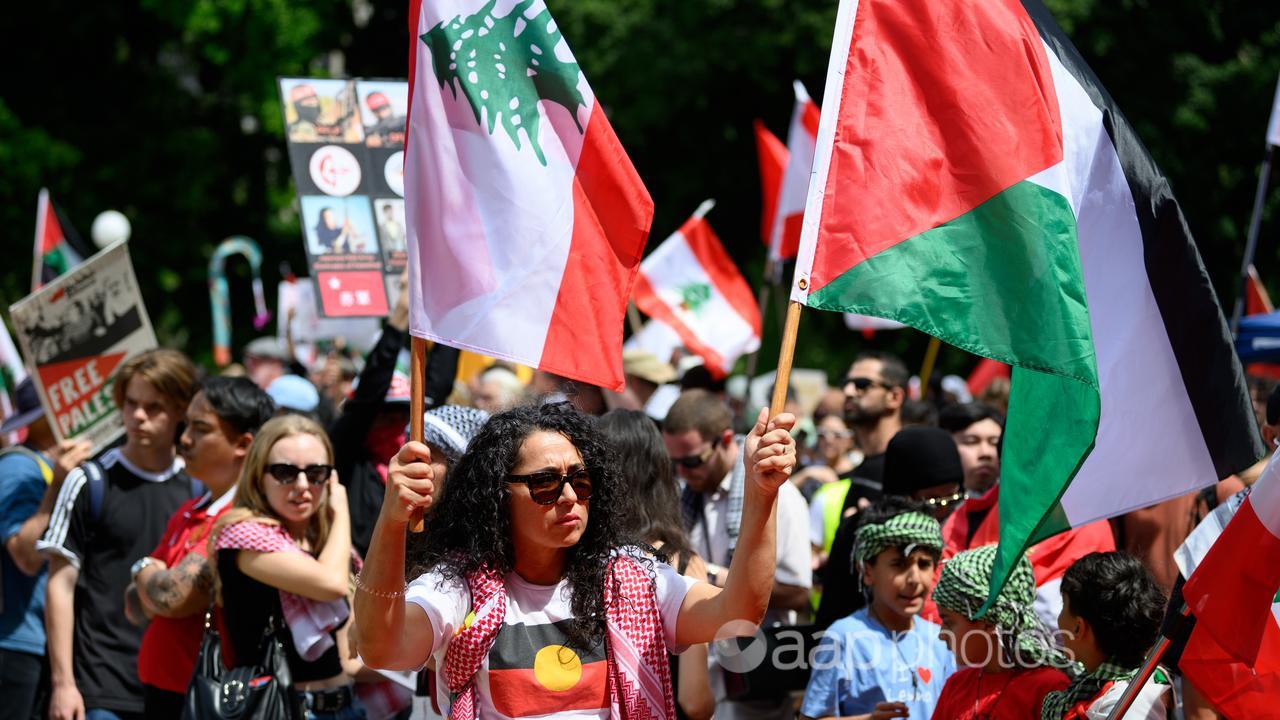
<point x="772" y="155"/>
<point x="801" y="141"/>
<point x="975" y="181"/>
<point x="58" y="247"/>
<point x="526" y="220"/>
<point x="690" y="284"/>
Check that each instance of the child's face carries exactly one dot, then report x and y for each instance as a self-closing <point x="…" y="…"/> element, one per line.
<point x="899" y="585"/>
<point x="973" y="642"/>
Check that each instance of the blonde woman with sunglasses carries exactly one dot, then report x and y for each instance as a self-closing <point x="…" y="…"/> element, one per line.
<point x="284" y="551"/>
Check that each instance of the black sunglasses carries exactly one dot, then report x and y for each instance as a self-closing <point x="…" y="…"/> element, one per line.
<point x="693" y="462"/>
<point x="286" y="474"/>
<point x="862" y="383"/>
<point x="546" y="486"/>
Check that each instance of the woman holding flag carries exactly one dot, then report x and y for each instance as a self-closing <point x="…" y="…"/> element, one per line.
<point x="525" y="592"/>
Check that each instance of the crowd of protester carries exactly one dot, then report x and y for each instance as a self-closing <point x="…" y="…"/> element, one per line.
<point x="273" y="501"/>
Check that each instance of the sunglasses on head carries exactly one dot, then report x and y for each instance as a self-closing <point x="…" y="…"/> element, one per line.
<point x="286" y="474"/>
<point x="693" y="462"/>
<point x="862" y="383"/>
<point x="546" y="486"/>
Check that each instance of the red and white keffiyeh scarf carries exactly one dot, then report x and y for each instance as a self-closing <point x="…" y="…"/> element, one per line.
<point x="310" y="621"/>
<point x="639" y="675"/>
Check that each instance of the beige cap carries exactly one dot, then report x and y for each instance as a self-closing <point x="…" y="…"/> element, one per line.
<point x="643" y="364"/>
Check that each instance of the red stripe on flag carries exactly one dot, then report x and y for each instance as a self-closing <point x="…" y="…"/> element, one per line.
<point x="415" y="16"/>
<point x="1257" y="301"/>
<point x="1233" y="588"/>
<point x="791" y="227"/>
<point x="651" y="304"/>
<point x="810" y="118"/>
<point x="773" y="163"/>
<point x="1235" y="689"/>
<point x="944" y="105"/>
<point x="710" y="252"/>
<point x="612" y="212"/>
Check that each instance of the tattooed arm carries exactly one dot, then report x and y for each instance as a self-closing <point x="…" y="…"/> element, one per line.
<point x="178" y="591"/>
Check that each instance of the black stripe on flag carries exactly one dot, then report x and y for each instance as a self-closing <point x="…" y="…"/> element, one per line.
<point x="1188" y="305"/>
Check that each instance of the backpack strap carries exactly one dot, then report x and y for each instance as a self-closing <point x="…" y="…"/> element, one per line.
<point x="97" y="487"/>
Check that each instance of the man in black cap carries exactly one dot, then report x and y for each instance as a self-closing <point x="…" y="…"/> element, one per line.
<point x="31" y="475"/>
<point x="920" y="463"/>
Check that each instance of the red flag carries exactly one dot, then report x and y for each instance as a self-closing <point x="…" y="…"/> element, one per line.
<point x="986" y="371"/>
<point x="1233" y="654"/>
<point x="773" y="162"/>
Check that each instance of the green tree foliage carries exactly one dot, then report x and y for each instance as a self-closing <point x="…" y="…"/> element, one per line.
<point x="168" y="111"/>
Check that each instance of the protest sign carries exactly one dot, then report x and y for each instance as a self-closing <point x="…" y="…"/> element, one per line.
<point x="76" y="332"/>
<point x="346" y="140"/>
<point x="297" y="318"/>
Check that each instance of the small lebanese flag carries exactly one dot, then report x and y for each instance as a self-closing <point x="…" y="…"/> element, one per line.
<point x="1233" y="654"/>
<point x="526" y="219"/>
<point x="802" y="142"/>
<point x="690" y="284"/>
<point x="773" y="163"/>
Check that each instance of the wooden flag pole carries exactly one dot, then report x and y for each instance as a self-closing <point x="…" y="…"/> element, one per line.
<point x="926" y="368"/>
<point x="786" y="356"/>
<point x="417" y="381"/>
<point x="633" y="317"/>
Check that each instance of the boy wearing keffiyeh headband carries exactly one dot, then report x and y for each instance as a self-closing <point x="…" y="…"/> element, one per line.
<point x="883" y="661"/>
<point x="1111" y="613"/>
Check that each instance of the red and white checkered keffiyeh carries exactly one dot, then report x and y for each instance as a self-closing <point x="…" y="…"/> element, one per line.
<point x="638" y="670"/>
<point x="310" y="621"/>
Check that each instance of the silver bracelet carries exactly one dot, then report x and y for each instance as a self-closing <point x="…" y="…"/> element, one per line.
<point x="390" y="595"/>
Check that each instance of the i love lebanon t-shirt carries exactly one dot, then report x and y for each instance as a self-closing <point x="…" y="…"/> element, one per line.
<point x="531" y="671"/>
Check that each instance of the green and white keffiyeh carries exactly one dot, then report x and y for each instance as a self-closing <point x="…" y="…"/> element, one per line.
<point x="962" y="588"/>
<point x="902" y="530"/>
<point x="1058" y="702"/>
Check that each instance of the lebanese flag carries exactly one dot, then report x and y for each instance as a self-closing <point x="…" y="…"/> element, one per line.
<point x="58" y="247"/>
<point x="690" y="284"/>
<point x="526" y="219"/>
<point x="773" y="163"/>
<point x="1233" y="654"/>
<point x="975" y="181"/>
<point x="784" y="237"/>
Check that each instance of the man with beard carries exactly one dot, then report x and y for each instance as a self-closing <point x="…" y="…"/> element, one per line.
<point x="874" y="392"/>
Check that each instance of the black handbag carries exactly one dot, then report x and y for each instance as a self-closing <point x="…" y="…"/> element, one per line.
<point x="754" y="674"/>
<point x="245" y="692"/>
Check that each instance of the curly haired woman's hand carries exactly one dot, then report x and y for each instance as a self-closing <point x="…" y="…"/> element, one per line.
<point x="410" y="483"/>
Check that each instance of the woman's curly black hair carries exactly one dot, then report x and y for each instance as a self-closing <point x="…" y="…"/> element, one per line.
<point x="470" y="528"/>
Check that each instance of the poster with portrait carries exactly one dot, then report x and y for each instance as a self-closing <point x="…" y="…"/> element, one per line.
<point x="344" y="255"/>
<point x="346" y="140"/>
<point x="76" y="332"/>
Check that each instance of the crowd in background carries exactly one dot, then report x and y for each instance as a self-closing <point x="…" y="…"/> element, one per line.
<point x="248" y="499"/>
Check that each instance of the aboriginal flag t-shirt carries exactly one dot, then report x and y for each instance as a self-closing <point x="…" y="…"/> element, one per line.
<point x="531" y="671"/>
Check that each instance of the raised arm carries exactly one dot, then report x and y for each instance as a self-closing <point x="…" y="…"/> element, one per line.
<point x="323" y="578"/>
<point x="770" y="456"/>
<point x="395" y="634"/>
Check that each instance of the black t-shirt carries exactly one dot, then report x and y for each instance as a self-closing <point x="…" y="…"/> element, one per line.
<point x="135" y="507"/>
<point x="247" y="607"/>
<point x="866" y="482"/>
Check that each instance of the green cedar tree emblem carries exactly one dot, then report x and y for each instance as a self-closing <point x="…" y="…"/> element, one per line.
<point x="693" y="296"/>
<point x="505" y="66"/>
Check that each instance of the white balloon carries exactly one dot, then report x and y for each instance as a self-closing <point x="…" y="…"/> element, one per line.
<point x="109" y="227"/>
